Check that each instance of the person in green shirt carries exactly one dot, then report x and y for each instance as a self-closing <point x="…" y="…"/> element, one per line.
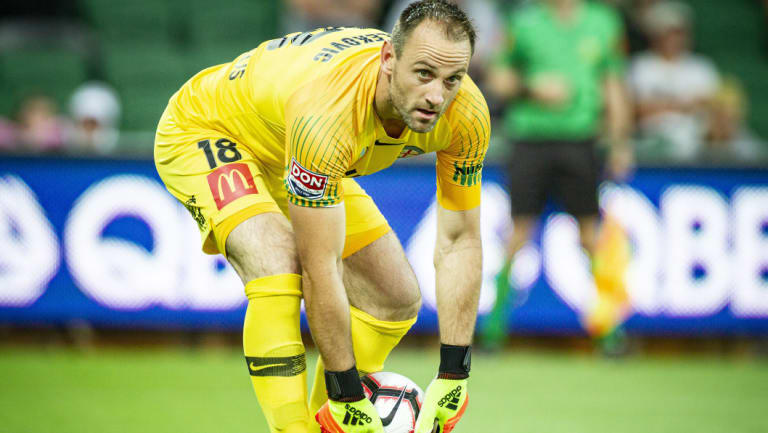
<point x="561" y="71"/>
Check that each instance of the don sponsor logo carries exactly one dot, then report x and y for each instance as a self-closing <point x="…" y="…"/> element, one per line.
<point x="305" y="183"/>
<point x="230" y="182"/>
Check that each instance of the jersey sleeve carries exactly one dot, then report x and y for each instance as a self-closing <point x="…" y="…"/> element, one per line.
<point x="319" y="150"/>
<point x="616" y="39"/>
<point x="510" y="53"/>
<point x="460" y="165"/>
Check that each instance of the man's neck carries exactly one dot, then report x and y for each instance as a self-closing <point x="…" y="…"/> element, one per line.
<point x="670" y="56"/>
<point x="382" y="107"/>
<point x="565" y="10"/>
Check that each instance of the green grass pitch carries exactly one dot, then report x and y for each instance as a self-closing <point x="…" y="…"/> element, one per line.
<point x="56" y="390"/>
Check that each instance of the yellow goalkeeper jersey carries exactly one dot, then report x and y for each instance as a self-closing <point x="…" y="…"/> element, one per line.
<point x="303" y="104"/>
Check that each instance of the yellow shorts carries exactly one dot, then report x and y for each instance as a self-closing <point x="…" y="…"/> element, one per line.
<point x="222" y="184"/>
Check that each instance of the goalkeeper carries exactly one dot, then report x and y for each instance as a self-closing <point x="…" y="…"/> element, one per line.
<point x="262" y="152"/>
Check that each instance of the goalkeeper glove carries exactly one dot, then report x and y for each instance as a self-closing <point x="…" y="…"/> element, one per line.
<point x="446" y="397"/>
<point x="347" y="410"/>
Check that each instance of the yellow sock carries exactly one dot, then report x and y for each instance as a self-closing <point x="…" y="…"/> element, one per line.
<point x="274" y="351"/>
<point x="372" y="340"/>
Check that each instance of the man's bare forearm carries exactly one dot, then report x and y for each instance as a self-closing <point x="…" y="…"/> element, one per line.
<point x="319" y="237"/>
<point x="458" y="268"/>
<point x="328" y="317"/>
<point x="459" y="272"/>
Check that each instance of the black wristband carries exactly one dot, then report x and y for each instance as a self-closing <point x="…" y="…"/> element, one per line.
<point x="344" y="385"/>
<point x="455" y="361"/>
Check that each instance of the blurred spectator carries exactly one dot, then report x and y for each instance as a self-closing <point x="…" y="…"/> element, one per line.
<point x="728" y="137"/>
<point x="95" y="111"/>
<point x="302" y="15"/>
<point x="490" y="32"/>
<point x="40" y="127"/>
<point x="672" y="87"/>
<point x="7" y="135"/>
<point x="563" y="63"/>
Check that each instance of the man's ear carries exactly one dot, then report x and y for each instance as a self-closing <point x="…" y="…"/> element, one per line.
<point x="387" y="58"/>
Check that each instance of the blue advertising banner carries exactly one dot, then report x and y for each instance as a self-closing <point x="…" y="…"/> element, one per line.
<point x="103" y="241"/>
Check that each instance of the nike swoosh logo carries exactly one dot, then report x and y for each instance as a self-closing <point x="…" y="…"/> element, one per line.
<point x="379" y="143"/>
<point x="254" y="367"/>
<point x="389" y="418"/>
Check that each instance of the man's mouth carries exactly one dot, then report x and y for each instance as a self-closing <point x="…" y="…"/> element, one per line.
<point x="427" y="114"/>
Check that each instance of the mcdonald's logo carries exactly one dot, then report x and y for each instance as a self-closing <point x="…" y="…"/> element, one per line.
<point x="230" y="182"/>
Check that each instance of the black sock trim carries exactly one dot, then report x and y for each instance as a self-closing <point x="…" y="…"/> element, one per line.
<point x="276" y="366"/>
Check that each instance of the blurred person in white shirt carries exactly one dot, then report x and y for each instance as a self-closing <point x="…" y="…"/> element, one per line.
<point x="95" y="111"/>
<point x="672" y="87"/>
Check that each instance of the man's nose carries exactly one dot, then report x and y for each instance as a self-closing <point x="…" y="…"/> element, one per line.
<point x="435" y="96"/>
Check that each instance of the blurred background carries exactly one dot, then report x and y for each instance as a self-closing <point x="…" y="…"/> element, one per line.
<point x="112" y="320"/>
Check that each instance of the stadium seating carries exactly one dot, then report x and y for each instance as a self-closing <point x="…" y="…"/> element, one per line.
<point x="150" y="47"/>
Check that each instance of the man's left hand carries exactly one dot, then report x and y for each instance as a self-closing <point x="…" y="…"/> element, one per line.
<point x="444" y="404"/>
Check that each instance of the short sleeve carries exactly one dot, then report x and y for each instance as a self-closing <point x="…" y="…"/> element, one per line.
<point x="460" y="164"/>
<point x="319" y="150"/>
<point x="615" y="60"/>
<point x="510" y="53"/>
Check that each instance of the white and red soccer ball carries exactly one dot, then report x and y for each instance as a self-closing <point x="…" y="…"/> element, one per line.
<point x="396" y="398"/>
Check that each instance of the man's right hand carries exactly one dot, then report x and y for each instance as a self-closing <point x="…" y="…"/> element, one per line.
<point x="552" y="90"/>
<point x="349" y="417"/>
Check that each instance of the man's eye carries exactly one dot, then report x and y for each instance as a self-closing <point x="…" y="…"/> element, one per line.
<point x="455" y="79"/>
<point x="422" y="73"/>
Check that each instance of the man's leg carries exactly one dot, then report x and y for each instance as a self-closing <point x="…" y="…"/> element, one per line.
<point x="609" y="255"/>
<point x="494" y="330"/>
<point x="380" y="281"/>
<point x="238" y="217"/>
<point x="528" y="183"/>
<point x="578" y="187"/>
<point x="262" y="251"/>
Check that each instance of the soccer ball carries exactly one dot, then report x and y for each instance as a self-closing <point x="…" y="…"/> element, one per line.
<point x="396" y="398"/>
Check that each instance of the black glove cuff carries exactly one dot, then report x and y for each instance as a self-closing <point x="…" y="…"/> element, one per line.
<point x="455" y="361"/>
<point x="344" y="385"/>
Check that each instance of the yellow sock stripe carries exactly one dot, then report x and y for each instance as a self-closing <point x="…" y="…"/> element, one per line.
<point x="385" y="327"/>
<point x="274" y="285"/>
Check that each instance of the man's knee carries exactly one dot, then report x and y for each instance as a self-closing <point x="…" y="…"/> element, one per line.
<point x="415" y="302"/>
<point x="407" y="303"/>
<point x="263" y="245"/>
<point x="412" y="302"/>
